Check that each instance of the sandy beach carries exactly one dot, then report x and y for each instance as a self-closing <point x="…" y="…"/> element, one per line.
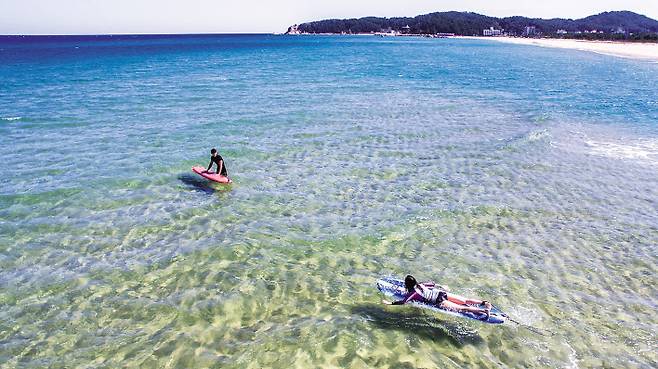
<point x="643" y="51"/>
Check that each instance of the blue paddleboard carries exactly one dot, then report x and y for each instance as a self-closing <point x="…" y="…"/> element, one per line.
<point x="394" y="288"/>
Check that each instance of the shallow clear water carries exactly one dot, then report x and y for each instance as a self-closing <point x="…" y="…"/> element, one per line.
<point x="523" y="175"/>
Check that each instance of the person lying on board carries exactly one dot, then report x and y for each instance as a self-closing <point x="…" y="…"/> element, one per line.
<point x="215" y="158"/>
<point x="430" y="293"/>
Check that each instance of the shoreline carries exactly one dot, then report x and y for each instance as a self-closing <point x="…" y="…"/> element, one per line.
<point x="646" y="51"/>
<point x="629" y="50"/>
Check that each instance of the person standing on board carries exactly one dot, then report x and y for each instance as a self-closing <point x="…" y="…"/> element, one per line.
<point x="215" y="158"/>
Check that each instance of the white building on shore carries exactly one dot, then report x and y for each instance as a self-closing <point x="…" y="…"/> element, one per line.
<point x="530" y="31"/>
<point x="492" y="32"/>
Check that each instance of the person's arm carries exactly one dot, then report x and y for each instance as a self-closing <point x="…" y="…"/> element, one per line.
<point x="209" y="165"/>
<point x="401" y="302"/>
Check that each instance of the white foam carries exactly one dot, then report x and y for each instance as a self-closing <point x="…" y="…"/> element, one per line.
<point x="10" y="118"/>
<point x="524" y="315"/>
<point x="646" y="150"/>
<point x="539" y="135"/>
<point x="573" y="359"/>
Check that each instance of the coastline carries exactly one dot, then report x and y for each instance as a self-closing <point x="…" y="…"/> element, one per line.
<point x="630" y="50"/>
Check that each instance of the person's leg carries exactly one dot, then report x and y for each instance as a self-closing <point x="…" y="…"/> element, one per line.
<point x="483" y="312"/>
<point x="471" y="309"/>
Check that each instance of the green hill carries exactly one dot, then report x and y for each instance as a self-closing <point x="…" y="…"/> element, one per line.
<point x="617" y="24"/>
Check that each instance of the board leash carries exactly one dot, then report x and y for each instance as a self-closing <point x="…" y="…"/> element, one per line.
<point x="531" y="328"/>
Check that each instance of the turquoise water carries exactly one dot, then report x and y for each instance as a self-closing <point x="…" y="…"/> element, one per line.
<point x="523" y="175"/>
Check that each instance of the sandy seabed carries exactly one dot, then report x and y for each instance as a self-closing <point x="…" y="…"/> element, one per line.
<point x="633" y="50"/>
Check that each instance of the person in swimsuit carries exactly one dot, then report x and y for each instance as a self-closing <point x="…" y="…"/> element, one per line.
<point x="430" y="293"/>
<point x="215" y="158"/>
<point x="421" y="292"/>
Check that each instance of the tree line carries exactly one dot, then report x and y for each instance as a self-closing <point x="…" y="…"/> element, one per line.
<point x="621" y="24"/>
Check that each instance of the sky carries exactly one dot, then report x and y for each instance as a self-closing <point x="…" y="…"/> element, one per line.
<point x="262" y="16"/>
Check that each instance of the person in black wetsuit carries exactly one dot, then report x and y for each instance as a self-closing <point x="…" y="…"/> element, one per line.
<point x="215" y="158"/>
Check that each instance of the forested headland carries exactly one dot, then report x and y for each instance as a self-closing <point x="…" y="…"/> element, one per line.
<point x="623" y="25"/>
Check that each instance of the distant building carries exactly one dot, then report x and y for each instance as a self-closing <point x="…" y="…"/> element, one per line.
<point x="530" y="31"/>
<point x="406" y="29"/>
<point x="387" y="32"/>
<point x="561" y="32"/>
<point x="619" y="31"/>
<point x="492" y="32"/>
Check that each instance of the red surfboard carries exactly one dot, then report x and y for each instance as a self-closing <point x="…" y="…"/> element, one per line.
<point x="211" y="176"/>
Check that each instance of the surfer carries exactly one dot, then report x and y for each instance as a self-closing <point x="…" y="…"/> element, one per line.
<point x="215" y="158"/>
<point x="430" y="293"/>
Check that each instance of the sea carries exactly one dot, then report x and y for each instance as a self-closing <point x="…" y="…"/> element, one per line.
<point x="522" y="175"/>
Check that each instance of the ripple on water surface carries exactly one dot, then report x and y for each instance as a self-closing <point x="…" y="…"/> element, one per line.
<point x="113" y="254"/>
